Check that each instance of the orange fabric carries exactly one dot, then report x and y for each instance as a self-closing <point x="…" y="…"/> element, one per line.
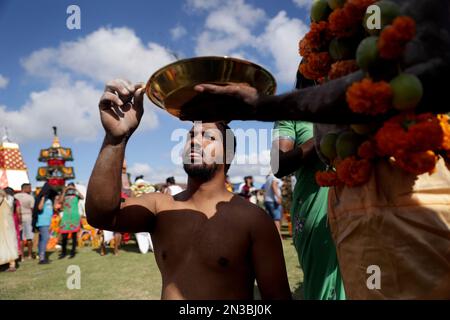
<point x="399" y="222"/>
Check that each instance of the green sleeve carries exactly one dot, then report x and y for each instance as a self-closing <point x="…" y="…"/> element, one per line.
<point x="297" y="131"/>
<point x="284" y="130"/>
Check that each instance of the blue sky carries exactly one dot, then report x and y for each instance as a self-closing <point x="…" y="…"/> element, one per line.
<point x="50" y="75"/>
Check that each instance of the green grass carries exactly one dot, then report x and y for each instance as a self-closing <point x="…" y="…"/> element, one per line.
<point x="130" y="275"/>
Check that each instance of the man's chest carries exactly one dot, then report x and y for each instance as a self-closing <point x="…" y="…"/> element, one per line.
<point x="188" y="237"/>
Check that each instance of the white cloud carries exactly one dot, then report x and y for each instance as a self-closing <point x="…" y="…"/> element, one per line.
<point x="229" y="27"/>
<point x="232" y="28"/>
<point x="157" y="175"/>
<point x="202" y="4"/>
<point x="303" y="3"/>
<point x="280" y="39"/>
<point x="100" y="56"/>
<point x="139" y="169"/>
<point x="178" y="32"/>
<point x="3" y="82"/>
<point x="71" y="104"/>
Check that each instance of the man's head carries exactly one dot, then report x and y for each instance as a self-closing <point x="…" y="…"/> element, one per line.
<point x="26" y="187"/>
<point x="210" y="148"/>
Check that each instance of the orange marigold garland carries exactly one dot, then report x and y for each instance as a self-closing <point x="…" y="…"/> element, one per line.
<point x="416" y="162"/>
<point x="354" y="172"/>
<point x="346" y="21"/>
<point x="425" y="133"/>
<point x="444" y="121"/>
<point x="342" y="68"/>
<point x="327" y="178"/>
<point x="393" y="38"/>
<point x="368" y="97"/>
<point x="316" y="40"/>
<point x="367" y="150"/>
<point x="316" y="65"/>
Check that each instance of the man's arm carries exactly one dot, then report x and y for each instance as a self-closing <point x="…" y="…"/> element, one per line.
<point x="276" y="191"/>
<point x="121" y="109"/>
<point x="287" y="158"/>
<point x="268" y="259"/>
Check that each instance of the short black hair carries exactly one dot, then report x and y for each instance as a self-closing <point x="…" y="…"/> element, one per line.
<point x="170" y="180"/>
<point x="225" y="130"/>
<point x="25" y="185"/>
<point x="71" y="184"/>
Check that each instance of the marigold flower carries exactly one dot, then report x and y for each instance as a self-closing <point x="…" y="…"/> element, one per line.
<point x="316" y="40"/>
<point x="393" y="38"/>
<point x="327" y="178"/>
<point x="342" y="68"/>
<point x="354" y="172"/>
<point x="444" y="121"/>
<point x="426" y="133"/>
<point x="416" y="162"/>
<point x="316" y="65"/>
<point x="367" y="150"/>
<point x="369" y="97"/>
<point x="346" y="21"/>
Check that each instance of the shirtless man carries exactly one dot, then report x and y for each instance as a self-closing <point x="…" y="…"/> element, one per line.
<point x="209" y="243"/>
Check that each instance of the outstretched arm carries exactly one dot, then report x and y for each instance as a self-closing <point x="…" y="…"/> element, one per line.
<point x="121" y="109"/>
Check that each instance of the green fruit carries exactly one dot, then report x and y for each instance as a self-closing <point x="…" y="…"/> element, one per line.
<point x="364" y="129"/>
<point x="334" y="4"/>
<point x="347" y="144"/>
<point x="388" y="12"/>
<point x="367" y="53"/>
<point x="328" y="146"/>
<point x="340" y="49"/>
<point x="407" y="91"/>
<point x="319" y="10"/>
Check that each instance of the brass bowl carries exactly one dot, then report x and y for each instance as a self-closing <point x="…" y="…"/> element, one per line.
<point x="172" y="86"/>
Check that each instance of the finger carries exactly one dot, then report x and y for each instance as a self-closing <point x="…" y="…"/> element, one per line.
<point x="109" y="99"/>
<point x="139" y="100"/>
<point x="117" y="86"/>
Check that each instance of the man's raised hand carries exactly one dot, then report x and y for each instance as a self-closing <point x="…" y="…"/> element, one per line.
<point x="121" y="108"/>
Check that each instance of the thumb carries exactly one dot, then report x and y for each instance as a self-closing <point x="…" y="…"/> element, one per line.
<point x="138" y="104"/>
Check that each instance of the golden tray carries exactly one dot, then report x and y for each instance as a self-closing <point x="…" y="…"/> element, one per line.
<point x="172" y="86"/>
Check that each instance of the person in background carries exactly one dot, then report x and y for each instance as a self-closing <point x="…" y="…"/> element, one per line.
<point x="172" y="188"/>
<point x="9" y="252"/>
<point x="44" y="212"/>
<point x="247" y="190"/>
<point x="272" y="199"/>
<point x="17" y="215"/>
<point x="70" y="221"/>
<point x="26" y="203"/>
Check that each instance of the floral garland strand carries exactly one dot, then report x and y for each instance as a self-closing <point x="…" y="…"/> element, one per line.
<point x="414" y="142"/>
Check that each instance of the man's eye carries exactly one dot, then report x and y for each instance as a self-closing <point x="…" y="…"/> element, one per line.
<point x="209" y="136"/>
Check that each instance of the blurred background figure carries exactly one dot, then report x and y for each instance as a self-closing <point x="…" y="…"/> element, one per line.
<point x="172" y="188"/>
<point x="247" y="190"/>
<point x="70" y="220"/>
<point x="9" y="251"/>
<point x="26" y="203"/>
<point x="272" y="199"/>
<point x="42" y="216"/>
<point x="17" y="217"/>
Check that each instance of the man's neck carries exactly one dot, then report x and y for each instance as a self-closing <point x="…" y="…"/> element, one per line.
<point x="199" y="189"/>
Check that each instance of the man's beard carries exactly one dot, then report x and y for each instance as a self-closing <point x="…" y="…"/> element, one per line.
<point x="203" y="172"/>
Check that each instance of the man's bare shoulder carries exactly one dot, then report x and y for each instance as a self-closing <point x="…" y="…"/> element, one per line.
<point x="251" y="211"/>
<point x="153" y="201"/>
